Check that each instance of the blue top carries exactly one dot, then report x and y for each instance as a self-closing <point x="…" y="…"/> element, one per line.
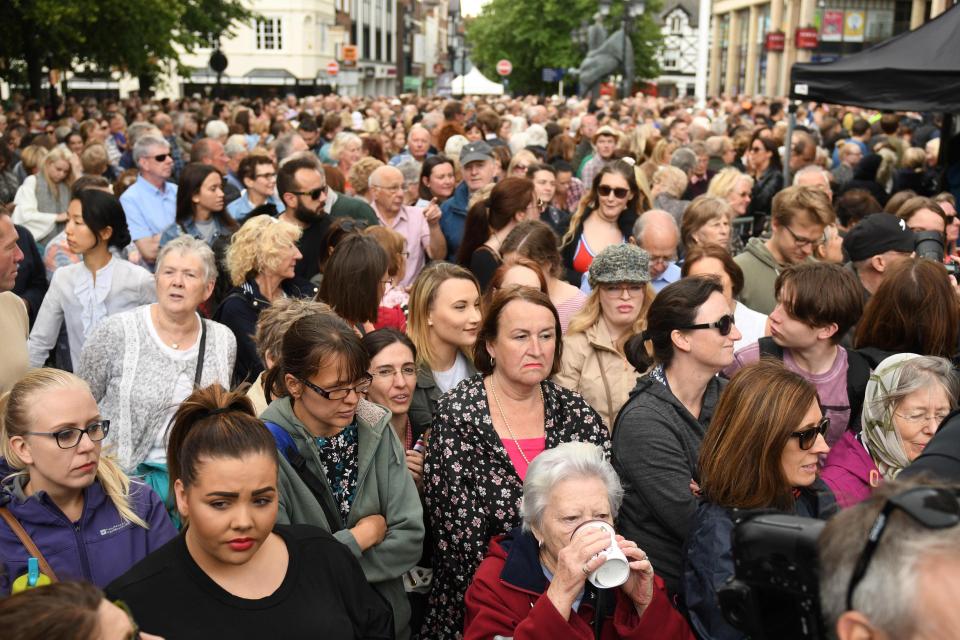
<point x="149" y="210"/>
<point x="453" y="218"/>
<point x="670" y="275"/>
<point x="240" y="208"/>
<point x="190" y="228"/>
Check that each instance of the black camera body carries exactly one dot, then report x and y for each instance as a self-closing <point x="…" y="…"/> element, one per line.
<point x="775" y="591"/>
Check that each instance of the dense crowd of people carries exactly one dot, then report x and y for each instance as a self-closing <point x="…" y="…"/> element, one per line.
<point x="422" y="368"/>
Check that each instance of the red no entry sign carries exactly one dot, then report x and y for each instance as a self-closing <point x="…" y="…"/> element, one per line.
<point x="333" y="68"/>
<point x="504" y="67"/>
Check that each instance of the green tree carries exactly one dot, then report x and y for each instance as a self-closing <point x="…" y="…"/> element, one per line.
<point x="135" y="37"/>
<point x="536" y="33"/>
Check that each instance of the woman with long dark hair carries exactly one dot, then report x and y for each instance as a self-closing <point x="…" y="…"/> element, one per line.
<point x="200" y="207"/>
<point x="763" y="160"/>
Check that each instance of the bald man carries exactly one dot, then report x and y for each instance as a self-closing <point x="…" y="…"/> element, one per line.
<point x="420" y="227"/>
<point x="656" y="232"/>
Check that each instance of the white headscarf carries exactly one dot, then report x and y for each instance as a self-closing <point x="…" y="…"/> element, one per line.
<point x="880" y="435"/>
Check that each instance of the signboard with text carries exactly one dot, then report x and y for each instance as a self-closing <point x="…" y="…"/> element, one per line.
<point x="776" y="41"/>
<point x="806" y="38"/>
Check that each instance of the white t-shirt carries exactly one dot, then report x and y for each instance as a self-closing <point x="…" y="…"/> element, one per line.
<point x="186" y="362"/>
<point x="752" y="325"/>
<point x="450" y="378"/>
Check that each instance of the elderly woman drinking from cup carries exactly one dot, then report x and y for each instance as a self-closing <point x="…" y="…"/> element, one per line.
<point x="549" y="578"/>
<point x="907" y="398"/>
<point x="485" y="433"/>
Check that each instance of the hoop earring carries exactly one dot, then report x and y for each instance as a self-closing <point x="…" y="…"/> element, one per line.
<point x="493" y="362"/>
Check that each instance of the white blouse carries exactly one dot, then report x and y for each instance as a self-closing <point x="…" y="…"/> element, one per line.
<point x="75" y="298"/>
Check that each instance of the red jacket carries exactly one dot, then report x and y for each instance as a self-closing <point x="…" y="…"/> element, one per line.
<point x="508" y="598"/>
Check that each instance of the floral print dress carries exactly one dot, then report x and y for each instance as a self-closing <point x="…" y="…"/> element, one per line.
<point x="473" y="492"/>
<point x="340" y="457"/>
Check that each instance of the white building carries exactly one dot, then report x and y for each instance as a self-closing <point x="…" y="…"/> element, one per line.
<point x="678" y="54"/>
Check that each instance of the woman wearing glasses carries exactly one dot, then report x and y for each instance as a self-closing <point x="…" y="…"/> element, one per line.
<point x="593" y="362"/>
<point x="490" y="221"/>
<point x="657" y="435"/>
<point x="605" y="217"/>
<point x="761" y="451"/>
<point x="763" y="164"/>
<point x="89" y="521"/>
<point x="343" y="467"/>
<point x="262" y="260"/>
<point x="907" y="398"/>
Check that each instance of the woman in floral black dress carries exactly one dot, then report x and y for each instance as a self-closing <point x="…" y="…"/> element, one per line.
<point x="486" y="431"/>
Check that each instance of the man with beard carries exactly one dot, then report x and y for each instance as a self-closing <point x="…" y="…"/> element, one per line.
<point x="303" y="189"/>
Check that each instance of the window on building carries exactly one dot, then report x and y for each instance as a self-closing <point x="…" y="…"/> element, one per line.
<point x="366" y="42"/>
<point x="676" y="24"/>
<point x="379" y="41"/>
<point x="269" y="33"/>
<point x="390" y="51"/>
<point x="671" y="59"/>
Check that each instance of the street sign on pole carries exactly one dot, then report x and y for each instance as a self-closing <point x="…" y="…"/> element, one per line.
<point x="333" y="68"/>
<point x="349" y="54"/>
<point x="504" y="68"/>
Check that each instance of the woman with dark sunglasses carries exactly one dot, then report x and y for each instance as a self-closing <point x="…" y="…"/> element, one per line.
<point x="761" y="451"/>
<point x="88" y="520"/>
<point x="657" y="434"/>
<point x="342" y="466"/>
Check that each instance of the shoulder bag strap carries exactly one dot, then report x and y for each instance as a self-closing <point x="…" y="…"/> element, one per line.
<point x="200" y="351"/>
<point x="606" y="387"/>
<point x="28" y="543"/>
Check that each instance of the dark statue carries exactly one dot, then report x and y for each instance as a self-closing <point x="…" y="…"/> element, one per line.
<point x="605" y="56"/>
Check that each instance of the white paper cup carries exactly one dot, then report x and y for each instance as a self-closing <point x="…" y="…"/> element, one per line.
<point x="615" y="570"/>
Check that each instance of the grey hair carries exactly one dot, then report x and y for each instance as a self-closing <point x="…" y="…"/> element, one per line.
<point x="142" y="147"/>
<point x="341" y="140"/>
<point x="188" y="245"/>
<point x="887" y="593"/>
<point x="811" y="169"/>
<point x="641" y="224"/>
<point x="142" y="129"/>
<point x="684" y="159"/>
<point x="672" y="179"/>
<point x="236" y="144"/>
<point x="216" y="129"/>
<point x="564" y="462"/>
<point x="410" y="170"/>
<point x="379" y="172"/>
<point x="283" y="146"/>
<point x="915" y="374"/>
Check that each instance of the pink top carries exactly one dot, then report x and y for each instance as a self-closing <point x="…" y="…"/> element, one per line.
<point x="532" y="447"/>
<point x="569" y="308"/>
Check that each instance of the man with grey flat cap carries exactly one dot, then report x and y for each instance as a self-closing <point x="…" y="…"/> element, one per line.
<point x="479" y="170"/>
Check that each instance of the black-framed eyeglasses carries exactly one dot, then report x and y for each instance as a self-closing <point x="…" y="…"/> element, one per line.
<point x="724" y="325"/>
<point x="70" y="437"/>
<point x="808" y="436"/>
<point x="619" y="192"/>
<point x="313" y="193"/>
<point x="161" y="157"/>
<point x="933" y="507"/>
<point x="801" y="241"/>
<point x="340" y="393"/>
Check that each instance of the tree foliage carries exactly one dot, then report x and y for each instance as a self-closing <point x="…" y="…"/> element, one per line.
<point x="132" y="36"/>
<point x="534" y="34"/>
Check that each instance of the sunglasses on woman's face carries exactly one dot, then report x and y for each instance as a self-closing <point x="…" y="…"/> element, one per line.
<point x="724" y="325"/>
<point x="808" y="436"/>
<point x="619" y="192"/>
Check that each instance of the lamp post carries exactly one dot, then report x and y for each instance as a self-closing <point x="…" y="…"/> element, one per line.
<point x="578" y="35"/>
<point x="632" y="9"/>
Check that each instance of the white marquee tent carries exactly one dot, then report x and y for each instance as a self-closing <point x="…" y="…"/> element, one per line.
<point x="474" y="83"/>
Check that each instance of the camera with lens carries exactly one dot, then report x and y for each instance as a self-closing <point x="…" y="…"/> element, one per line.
<point x="929" y="244"/>
<point x="775" y="591"/>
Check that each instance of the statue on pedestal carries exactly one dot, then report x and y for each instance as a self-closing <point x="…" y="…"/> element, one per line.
<point x="605" y="55"/>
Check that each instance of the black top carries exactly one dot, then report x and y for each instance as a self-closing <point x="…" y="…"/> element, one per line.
<point x="324" y="595"/>
<point x="310" y="245"/>
<point x="483" y="264"/>
<point x="31" y="284"/>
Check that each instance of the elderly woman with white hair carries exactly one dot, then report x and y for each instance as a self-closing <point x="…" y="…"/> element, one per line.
<point x="907" y="398"/>
<point x="140" y="364"/>
<point x="538" y="581"/>
<point x="346" y="150"/>
<point x="669" y="183"/>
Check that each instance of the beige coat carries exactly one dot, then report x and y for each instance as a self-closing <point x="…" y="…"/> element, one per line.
<point x="594" y="369"/>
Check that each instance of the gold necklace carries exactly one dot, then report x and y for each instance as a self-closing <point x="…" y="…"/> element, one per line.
<point x="503" y="416"/>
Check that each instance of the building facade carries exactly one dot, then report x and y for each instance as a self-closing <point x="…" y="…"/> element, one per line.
<point x="756" y="42"/>
<point x="678" y="54"/>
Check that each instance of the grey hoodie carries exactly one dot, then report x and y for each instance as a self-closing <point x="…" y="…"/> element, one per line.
<point x="656" y="444"/>
<point x="760" y="270"/>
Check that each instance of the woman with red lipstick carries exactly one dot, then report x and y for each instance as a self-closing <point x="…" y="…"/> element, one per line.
<point x="343" y="467"/>
<point x="236" y="573"/>
<point x="907" y="398"/>
<point x="89" y="521"/>
<point x="484" y="435"/>
<point x="768" y="430"/>
<point x="593" y="362"/>
<point x="84" y="293"/>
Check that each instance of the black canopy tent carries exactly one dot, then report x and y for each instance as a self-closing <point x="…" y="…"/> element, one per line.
<point x="915" y="71"/>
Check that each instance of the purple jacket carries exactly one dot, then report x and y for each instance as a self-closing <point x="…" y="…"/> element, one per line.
<point x="850" y="471"/>
<point x="97" y="548"/>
